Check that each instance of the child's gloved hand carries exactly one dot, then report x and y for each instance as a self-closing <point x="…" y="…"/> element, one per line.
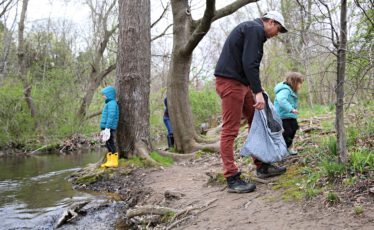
<point x="105" y="135"/>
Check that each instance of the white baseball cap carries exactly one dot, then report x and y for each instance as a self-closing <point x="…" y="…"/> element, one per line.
<point x="275" y="15"/>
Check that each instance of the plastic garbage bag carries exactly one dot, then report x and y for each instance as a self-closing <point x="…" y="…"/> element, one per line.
<point x="265" y="141"/>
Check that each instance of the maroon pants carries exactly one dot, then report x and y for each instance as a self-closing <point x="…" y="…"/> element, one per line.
<point x="236" y="99"/>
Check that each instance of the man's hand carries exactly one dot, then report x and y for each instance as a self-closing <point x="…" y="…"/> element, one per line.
<point x="260" y="101"/>
<point x="295" y="111"/>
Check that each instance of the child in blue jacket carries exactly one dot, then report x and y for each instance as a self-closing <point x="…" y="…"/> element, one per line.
<point x="285" y="104"/>
<point x="108" y="125"/>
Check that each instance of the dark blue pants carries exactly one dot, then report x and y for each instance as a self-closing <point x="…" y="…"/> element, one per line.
<point x="167" y="123"/>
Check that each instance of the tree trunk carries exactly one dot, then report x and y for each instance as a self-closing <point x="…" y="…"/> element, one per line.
<point x="340" y="130"/>
<point x="178" y="80"/>
<point x="22" y="63"/>
<point x="187" y="33"/>
<point x="133" y="77"/>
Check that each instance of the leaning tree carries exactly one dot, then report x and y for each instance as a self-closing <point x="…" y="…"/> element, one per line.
<point x="187" y="33"/>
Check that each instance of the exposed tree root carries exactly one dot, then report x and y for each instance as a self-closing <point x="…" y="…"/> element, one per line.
<point x="150" y="210"/>
<point x="141" y="150"/>
<point x="212" y="147"/>
<point x="214" y="131"/>
<point x="176" y="156"/>
<point x="207" y="139"/>
<point x="173" y="217"/>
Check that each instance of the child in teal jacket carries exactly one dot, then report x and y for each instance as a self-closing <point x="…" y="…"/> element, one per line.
<point x="285" y="104"/>
<point x="108" y="125"/>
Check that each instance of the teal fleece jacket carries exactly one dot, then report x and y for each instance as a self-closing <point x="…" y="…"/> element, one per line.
<point x="285" y="101"/>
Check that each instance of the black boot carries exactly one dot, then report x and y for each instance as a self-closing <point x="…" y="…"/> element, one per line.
<point x="268" y="170"/>
<point x="170" y="141"/>
<point x="237" y="185"/>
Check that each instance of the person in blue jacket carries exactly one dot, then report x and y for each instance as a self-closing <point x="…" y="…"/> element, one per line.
<point x="108" y="125"/>
<point x="285" y="104"/>
<point x="167" y="123"/>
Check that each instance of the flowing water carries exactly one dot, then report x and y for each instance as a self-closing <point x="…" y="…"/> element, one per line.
<point x="33" y="191"/>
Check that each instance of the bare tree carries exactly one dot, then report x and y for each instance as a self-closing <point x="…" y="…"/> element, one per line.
<point x="98" y="71"/>
<point x="339" y="119"/>
<point x="187" y="33"/>
<point x="6" y="5"/>
<point x="23" y="57"/>
<point x="133" y="78"/>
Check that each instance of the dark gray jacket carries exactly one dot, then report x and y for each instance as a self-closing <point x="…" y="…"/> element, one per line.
<point x="242" y="53"/>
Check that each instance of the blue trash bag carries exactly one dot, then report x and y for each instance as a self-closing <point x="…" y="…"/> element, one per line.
<point x="265" y="141"/>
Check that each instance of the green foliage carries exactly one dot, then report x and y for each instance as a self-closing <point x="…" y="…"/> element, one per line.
<point x="17" y="124"/>
<point x="205" y="104"/>
<point x="216" y="179"/>
<point x="352" y="134"/>
<point x="56" y="102"/>
<point x="290" y="182"/>
<point x="362" y="160"/>
<point x="330" y="145"/>
<point x="315" y="110"/>
<point x="132" y="162"/>
<point x="163" y="160"/>
<point x="331" y="168"/>
<point x="358" y="210"/>
<point x="332" y="197"/>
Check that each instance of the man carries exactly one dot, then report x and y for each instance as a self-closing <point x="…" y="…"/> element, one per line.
<point x="239" y="86"/>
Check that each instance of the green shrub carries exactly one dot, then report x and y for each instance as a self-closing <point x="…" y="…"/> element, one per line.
<point x="358" y="210"/>
<point x="329" y="144"/>
<point x="331" y="168"/>
<point x="361" y="160"/>
<point x="332" y="197"/>
<point x="205" y="104"/>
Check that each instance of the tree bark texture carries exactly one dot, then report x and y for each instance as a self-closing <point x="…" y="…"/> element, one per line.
<point x="187" y="33"/>
<point x="339" y="122"/>
<point x="22" y="63"/>
<point x="133" y="77"/>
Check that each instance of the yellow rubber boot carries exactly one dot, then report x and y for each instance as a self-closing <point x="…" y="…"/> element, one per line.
<point x="114" y="161"/>
<point x="108" y="160"/>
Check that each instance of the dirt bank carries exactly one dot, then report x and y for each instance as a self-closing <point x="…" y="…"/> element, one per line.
<point x="200" y="206"/>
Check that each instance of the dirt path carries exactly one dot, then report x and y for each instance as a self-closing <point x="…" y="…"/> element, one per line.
<point x="262" y="209"/>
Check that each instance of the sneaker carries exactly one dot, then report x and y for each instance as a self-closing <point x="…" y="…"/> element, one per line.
<point x="268" y="170"/>
<point x="237" y="185"/>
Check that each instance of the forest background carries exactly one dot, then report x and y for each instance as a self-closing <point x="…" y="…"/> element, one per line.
<point x="50" y="88"/>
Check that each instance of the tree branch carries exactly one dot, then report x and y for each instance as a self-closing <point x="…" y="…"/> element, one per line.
<point x="210" y="15"/>
<point x="202" y="28"/>
<point x="162" y="15"/>
<point x="229" y="9"/>
<point x="162" y="34"/>
<point x="363" y="11"/>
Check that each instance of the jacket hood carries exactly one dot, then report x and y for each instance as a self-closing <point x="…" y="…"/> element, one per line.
<point x="280" y="86"/>
<point x="109" y="92"/>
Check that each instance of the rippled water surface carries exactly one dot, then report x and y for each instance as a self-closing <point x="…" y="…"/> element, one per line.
<point x="33" y="191"/>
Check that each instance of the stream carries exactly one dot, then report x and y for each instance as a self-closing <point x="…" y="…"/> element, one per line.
<point x="34" y="192"/>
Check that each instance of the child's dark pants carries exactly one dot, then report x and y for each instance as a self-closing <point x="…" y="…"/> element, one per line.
<point x="110" y="145"/>
<point x="290" y="127"/>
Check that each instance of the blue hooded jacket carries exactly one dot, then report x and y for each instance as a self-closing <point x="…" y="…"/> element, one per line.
<point x="110" y="114"/>
<point x="285" y="101"/>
